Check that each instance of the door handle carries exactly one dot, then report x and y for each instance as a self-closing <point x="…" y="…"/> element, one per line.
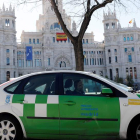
<point x="69" y="103"/>
<point x="125" y="104"/>
<point x="22" y="102"/>
<point x="25" y="102"/>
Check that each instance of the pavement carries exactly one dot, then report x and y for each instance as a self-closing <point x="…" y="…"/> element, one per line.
<point x="65" y="139"/>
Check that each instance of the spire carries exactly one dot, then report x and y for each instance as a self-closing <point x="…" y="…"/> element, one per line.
<point x="108" y="11"/>
<point x="134" y="24"/>
<point x="10" y="7"/>
<point x="14" y="10"/>
<point x="3" y="7"/>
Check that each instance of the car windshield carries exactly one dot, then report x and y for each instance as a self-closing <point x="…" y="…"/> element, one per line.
<point x="118" y="84"/>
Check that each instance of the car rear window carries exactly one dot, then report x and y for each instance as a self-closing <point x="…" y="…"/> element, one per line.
<point x="12" y="88"/>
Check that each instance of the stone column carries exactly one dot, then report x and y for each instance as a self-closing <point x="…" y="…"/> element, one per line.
<point x="11" y="57"/>
<point x="25" y="59"/>
<point x="133" y="73"/>
<point x="33" y="61"/>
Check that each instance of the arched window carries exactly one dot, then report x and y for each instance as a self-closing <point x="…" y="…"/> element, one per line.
<point x="13" y="23"/>
<point x="108" y="51"/>
<point x="55" y="26"/>
<point x="124" y="39"/>
<point x="8" y="61"/>
<point x="92" y="61"/>
<point x="100" y="61"/>
<point x="8" y="75"/>
<point x="7" y="22"/>
<point x="113" y="25"/>
<point x="128" y="39"/>
<point x="84" y="61"/>
<point x="62" y="64"/>
<point x="7" y="50"/>
<point x="49" y="62"/>
<point x="19" y="53"/>
<point x="129" y="58"/>
<point x="14" y="74"/>
<point x="84" y="52"/>
<point x="131" y="38"/>
<point x="51" y="27"/>
<point x="132" y="49"/>
<point x="107" y="25"/>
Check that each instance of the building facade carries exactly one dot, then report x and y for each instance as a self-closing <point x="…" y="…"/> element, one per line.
<point x="118" y="55"/>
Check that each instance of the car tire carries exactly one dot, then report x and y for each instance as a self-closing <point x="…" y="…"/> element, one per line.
<point x="134" y="131"/>
<point x="10" y="128"/>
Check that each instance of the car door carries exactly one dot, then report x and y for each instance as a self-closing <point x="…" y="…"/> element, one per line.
<point x="86" y="111"/>
<point x="39" y="102"/>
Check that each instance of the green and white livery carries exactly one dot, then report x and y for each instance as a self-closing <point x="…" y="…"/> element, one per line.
<point x="68" y="105"/>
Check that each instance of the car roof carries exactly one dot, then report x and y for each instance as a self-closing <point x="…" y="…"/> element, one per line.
<point x="62" y="71"/>
<point x="46" y="72"/>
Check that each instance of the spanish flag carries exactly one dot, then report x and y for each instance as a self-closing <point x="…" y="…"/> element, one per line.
<point x="130" y="21"/>
<point x="61" y="37"/>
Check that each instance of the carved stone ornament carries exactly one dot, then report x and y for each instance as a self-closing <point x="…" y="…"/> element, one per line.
<point x="7" y="38"/>
<point x="63" y="61"/>
<point x="48" y="41"/>
<point x="47" y="25"/>
<point x="115" y="38"/>
<point x="108" y="39"/>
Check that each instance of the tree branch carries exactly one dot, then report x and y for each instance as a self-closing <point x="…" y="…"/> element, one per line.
<point x="63" y="25"/>
<point x="97" y="2"/>
<point x="88" y="15"/>
<point x="88" y="5"/>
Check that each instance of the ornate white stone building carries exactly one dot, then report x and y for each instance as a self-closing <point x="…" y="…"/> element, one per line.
<point x="119" y="54"/>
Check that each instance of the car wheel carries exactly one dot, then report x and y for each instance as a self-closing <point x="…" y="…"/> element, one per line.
<point x="10" y="129"/>
<point x="134" y="131"/>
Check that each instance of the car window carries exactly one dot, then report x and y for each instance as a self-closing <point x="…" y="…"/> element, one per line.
<point x="12" y="87"/>
<point x="41" y="84"/>
<point x="77" y="84"/>
<point x="41" y="88"/>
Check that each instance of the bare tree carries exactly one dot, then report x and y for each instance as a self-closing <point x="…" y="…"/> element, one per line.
<point x="89" y="6"/>
<point x="77" y="41"/>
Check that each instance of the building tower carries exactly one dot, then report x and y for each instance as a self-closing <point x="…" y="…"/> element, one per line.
<point x="110" y="21"/>
<point x="8" y="47"/>
<point x="46" y="5"/>
<point x="111" y="28"/>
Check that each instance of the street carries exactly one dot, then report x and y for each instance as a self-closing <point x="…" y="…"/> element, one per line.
<point x="98" y="139"/>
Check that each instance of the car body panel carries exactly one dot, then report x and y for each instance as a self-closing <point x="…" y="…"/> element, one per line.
<point x="89" y="115"/>
<point x="37" y="113"/>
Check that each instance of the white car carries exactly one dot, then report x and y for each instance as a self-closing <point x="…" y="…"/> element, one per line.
<point x="68" y="105"/>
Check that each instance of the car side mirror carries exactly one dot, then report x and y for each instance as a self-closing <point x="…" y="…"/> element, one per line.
<point x="107" y="91"/>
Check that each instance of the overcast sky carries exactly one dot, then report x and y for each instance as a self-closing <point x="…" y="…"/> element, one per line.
<point x="26" y="17"/>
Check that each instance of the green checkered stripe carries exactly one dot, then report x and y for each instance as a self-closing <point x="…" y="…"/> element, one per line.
<point x="36" y="106"/>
